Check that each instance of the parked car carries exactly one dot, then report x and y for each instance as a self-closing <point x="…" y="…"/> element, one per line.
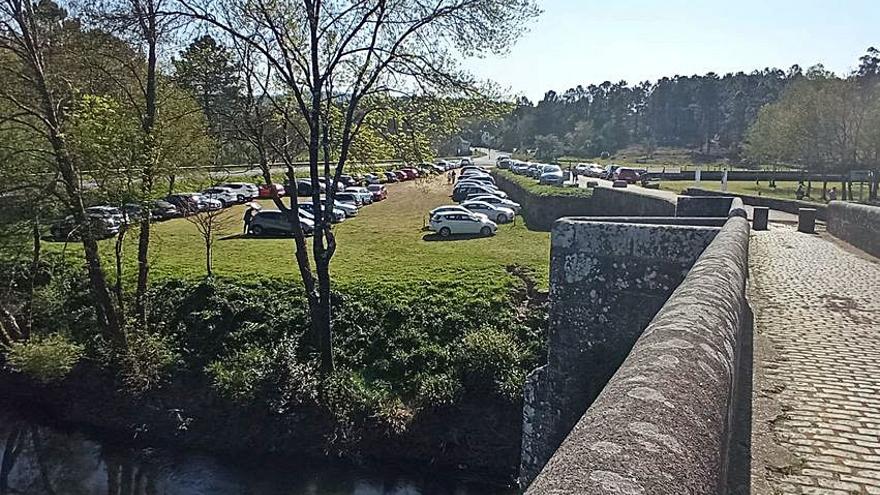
<point x="552" y="175"/>
<point x="351" y="198"/>
<point x="159" y="210"/>
<point x="437" y="168"/>
<point x="465" y="162"/>
<point x="520" y="168"/>
<point x="338" y="214"/>
<point x="465" y="190"/>
<point x="371" y="179"/>
<point x="411" y="173"/>
<point x="267" y="191"/>
<point x="303" y="187"/>
<point x="207" y="204"/>
<point x="452" y="222"/>
<point x="391" y="177"/>
<point x="269" y="222"/>
<point x="481" y="178"/>
<point x="609" y="172"/>
<point x="446" y="165"/>
<point x="349" y="209"/>
<point x="495" y="200"/>
<point x="378" y="191"/>
<point x="225" y="195"/>
<point x="469" y="182"/>
<point x="590" y="169"/>
<point x="186" y="203"/>
<point x="455" y="208"/>
<point x="401" y="175"/>
<point x="630" y="175"/>
<point x="363" y="193"/>
<point x="104" y="222"/>
<point x="504" y="164"/>
<point x="243" y="190"/>
<point x="498" y="214"/>
<point x="348" y="180"/>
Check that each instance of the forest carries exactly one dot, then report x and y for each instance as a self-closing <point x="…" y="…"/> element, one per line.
<point x="712" y="115"/>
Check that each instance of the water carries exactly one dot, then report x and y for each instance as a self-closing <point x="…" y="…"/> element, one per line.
<point x="36" y="458"/>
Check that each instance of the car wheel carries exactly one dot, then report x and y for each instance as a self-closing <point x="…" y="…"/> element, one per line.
<point x="240" y="198"/>
<point x="257" y="230"/>
<point x="487" y="231"/>
<point x="444" y="232"/>
<point x="502" y="218"/>
<point x="222" y="203"/>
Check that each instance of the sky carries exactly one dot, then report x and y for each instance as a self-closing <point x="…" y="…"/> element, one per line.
<point x="589" y="41"/>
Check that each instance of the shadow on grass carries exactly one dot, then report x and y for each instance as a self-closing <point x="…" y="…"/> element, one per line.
<point x="453" y="237"/>
<point x="251" y="237"/>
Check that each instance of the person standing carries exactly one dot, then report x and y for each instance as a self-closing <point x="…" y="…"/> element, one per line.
<point x="248" y="216"/>
<point x="832" y="194"/>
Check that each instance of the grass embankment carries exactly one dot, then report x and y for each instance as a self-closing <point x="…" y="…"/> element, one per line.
<point x="533" y="187"/>
<point x="783" y="189"/>
<point x="384" y="243"/>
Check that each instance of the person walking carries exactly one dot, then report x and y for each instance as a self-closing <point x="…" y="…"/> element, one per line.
<point x="248" y="216"/>
<point x="832" y="194"/>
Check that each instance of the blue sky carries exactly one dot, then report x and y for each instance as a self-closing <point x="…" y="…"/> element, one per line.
<point x="588" y="41"/>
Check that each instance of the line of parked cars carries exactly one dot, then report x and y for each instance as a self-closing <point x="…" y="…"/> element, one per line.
<point x="481" y="206"/>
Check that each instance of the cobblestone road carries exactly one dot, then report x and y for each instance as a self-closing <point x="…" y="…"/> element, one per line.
<point x="816" y="389"/>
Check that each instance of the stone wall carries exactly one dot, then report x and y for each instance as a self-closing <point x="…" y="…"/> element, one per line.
<point x="540" y="212"/>
<point x="661" y="424"/>
<point x="607" y="281"/>
<point x="856" y="224"/>
<point x="786" y="205"/>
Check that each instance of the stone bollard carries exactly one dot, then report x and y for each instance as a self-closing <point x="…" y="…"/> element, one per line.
<point x="619" y="183"/>
<point x="807" y="220"/>
<point x="761" y="217"/>
<point x="592" y="183"/>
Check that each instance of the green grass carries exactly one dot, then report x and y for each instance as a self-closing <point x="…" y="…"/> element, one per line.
<point x="383" y="244"/>
<point x="783" y="190"/>
<point x="532" y="186"/>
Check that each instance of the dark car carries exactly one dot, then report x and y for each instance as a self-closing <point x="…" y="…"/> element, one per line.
<point x="391" y="177"/>
<point x="401" y="175"/>
<point x="274" y="222"/>
<point x="303" y="187"/>
<point x="186" y="204"/>
<point x="379" y="191"/>
<point x="159" y="210"/>
<point x="348" y="180"/>
<point x="630" y="175"/>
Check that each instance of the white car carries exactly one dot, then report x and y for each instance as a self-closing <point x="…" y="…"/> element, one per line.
<point x="453" y="222"/>
<point x="499" y="214"/>
<point x="224" y="195"/>
<point x="464" y="162"/>
<point x="362" y="192"/>
<point x="242" y="190"/>
<point x="452" y="208"/>
<point x="495" y="200"/>
<point x="205" y="203"/>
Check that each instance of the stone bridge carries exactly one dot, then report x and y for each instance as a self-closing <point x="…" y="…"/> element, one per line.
<point x="662" y="380"/>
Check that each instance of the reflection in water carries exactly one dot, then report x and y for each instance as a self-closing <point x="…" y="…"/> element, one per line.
<point x="38" y="460"/>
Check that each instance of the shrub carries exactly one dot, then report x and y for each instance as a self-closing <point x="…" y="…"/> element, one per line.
<point x="490" y="361"/>
<point x="147" y="362"/>
<point x="239" y="376"/>
<point x="48" y="359"/>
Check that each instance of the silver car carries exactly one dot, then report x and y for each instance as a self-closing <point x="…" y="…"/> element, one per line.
<point x="498" y="214"/>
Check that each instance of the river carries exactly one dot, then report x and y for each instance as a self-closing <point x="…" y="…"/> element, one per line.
<point x="37" y="458"/>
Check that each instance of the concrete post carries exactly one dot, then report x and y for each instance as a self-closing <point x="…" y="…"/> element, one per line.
<point x="761" y="217"/>
<point x="807" y="220"/>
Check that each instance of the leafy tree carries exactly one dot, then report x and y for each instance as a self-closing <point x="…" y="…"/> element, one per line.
<point x="328" y="62"/>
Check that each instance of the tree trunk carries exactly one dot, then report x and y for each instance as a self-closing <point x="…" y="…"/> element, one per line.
<point x="809" y="188"/>
<point x="117" y="251"/>
<point x="874" y="190"/>
<point x="36" y="258"/>
<point x="322" y="318"/>
<point x="850" y="191"/>
<point x="824" y="190"/>
<point x="208" y="261"/>
<point x="9" y="329"/>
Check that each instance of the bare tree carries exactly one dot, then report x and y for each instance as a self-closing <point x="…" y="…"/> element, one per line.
<point x="330" y="59"/>
<point x="36" y="87"/>
<point x="211" y="223"/>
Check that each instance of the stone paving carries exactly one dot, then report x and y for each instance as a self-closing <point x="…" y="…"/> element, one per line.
<point x="816" y="386"/>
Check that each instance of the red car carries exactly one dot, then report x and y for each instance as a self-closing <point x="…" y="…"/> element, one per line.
<point x="411" y="173"/>
<point x="401" y="175"/>
<point x="266" y="190"/>
<point x="630" y="175"/>
<point x="379" y="191"/>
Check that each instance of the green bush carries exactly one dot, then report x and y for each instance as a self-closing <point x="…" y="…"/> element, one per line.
<point x="240" y="376"/>
<point x="47" y="359"/>
<point x="490" y="361"/>
<point x="147" y="362"/>
<point x="531" y="185"/>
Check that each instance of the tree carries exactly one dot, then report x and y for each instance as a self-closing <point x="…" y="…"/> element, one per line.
<point x="331" y="61"/>
<point x="35" y="39"/>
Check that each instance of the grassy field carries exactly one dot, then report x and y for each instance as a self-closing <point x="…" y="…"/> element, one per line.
<point x="783" y="189"/>
<point x="384" y="243"/>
